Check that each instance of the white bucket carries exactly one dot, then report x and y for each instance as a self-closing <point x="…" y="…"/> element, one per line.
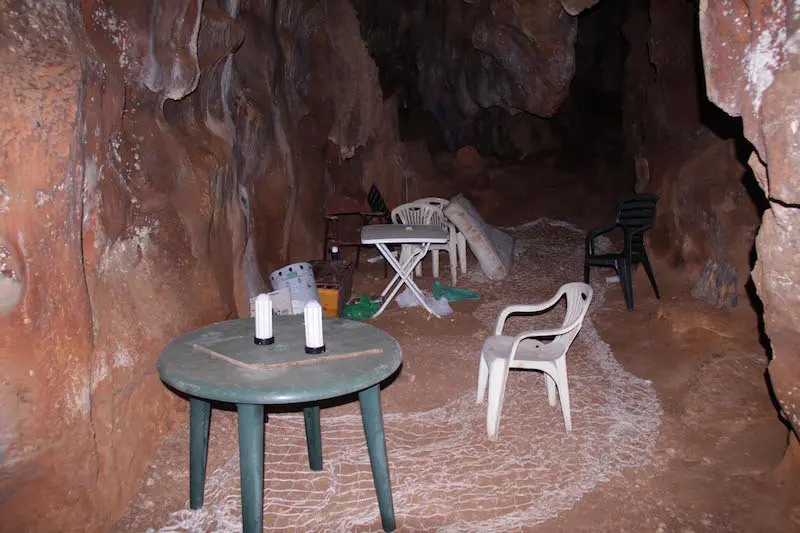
<point x="299" y="279"/>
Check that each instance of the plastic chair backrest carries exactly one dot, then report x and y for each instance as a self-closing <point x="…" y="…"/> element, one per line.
<point x="579" y="296"/>
<point x="418" y="214"/>
<point x="636" y="214"/>
<point x="375" y="201"/>
<point x="638" y="211"/>
<point x="441" y="203"/>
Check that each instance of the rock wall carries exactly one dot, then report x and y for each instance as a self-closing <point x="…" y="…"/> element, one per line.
<point x="683" y="147"/>
<point x="459" y="59"/>
<point x="158" y="160"/>
<point x="705" y="211"/>
<point x="751" y="52"/>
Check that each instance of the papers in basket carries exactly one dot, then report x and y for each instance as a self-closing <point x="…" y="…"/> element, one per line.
<point x="281" y="303"/>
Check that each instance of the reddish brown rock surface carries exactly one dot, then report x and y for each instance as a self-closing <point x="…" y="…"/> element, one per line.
<point x="750" y="51"/>
<point x="157" y="164"/>
<point x="704" y="211"/>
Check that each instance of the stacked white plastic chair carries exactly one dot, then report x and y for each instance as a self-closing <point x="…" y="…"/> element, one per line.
<point x="415" y="213"/>
<point x="501" y="353"/>
<point x="461" y="241"/>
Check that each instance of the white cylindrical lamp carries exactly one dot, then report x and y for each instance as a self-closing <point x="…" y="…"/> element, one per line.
<point x="312" y="315"/>
<point x="264" y="333"/>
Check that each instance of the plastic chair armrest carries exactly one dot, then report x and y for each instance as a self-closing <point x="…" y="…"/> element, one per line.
<point x="593" y="234"/>
<point x="529" y="308"/>
<point x="533" y="334"/>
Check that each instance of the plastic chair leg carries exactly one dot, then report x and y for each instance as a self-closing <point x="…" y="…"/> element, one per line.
<point x="586" y="268"/>
<point x="629" y="271"/>
<point x="462" y="252"/>
<point x="483" y="379"/>
<point x="625" y="282"/>
<point x="405" y="253"/>
<point x="649" y="270"/>
<point x="453" y="256"/>
<point x="497" y="386"/>
<point x="550" y="385"/>
<point x="563" y="393"/>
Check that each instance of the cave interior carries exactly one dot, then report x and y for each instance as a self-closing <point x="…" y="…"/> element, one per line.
<point x="161" y="159"/>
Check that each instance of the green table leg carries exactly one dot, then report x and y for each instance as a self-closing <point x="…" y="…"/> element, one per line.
<point x="370" y="400"/>
<point x="251" y="465"/>
<point x="199" y="418"/>
<point x="313" y="437"/>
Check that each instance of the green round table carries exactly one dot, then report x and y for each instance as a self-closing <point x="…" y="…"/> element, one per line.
<point x="221" y="362"/>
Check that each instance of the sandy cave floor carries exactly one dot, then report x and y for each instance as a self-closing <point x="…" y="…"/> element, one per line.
<point x="674" y="428"/>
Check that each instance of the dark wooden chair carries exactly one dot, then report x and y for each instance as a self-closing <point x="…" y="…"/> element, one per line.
<point x="634" y="215"/>
<point x="344" y="218"/>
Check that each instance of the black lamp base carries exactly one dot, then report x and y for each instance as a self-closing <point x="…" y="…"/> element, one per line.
<point x="315" y="350"/>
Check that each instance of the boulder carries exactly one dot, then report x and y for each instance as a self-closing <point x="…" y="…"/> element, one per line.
<point x="717" y="284"/>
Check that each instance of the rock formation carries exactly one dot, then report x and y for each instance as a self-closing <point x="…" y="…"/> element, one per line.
<point x="705" y="211"/>
<point x="461" y="58"/>
<point x="159" y="160"/>
<point x="751" y="52"/>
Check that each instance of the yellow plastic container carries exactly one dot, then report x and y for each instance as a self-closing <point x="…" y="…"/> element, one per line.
<point x="329" y="298"/>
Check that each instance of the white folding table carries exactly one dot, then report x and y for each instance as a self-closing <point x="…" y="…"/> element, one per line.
<point x="382" y="235"/>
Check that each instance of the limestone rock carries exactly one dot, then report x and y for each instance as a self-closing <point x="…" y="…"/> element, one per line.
<point x="717" y="284"/>
<point x="704" y="211"/>
<point x="518" y="55"/>
<point x="152" y="161"/>
<point x="753" y="71"/>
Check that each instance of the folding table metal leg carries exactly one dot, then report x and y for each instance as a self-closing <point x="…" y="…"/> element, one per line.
<point x="404" y="268"/>
<point x="404" y="272"/>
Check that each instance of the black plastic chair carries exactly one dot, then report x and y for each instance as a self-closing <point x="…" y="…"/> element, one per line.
<point x="634" y="215"/>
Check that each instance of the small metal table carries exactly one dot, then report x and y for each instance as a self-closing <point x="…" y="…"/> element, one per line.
<point x="383" y="234"/>
<point x="246" y="376"/>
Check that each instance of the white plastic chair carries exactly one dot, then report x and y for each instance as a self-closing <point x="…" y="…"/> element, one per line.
<point x="501" y="352"/>
<point x="428" y="215"/>
<point x="441" y="203"/>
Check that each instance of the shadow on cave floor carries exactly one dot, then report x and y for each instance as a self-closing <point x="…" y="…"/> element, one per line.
<point x="720" y="436"/>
